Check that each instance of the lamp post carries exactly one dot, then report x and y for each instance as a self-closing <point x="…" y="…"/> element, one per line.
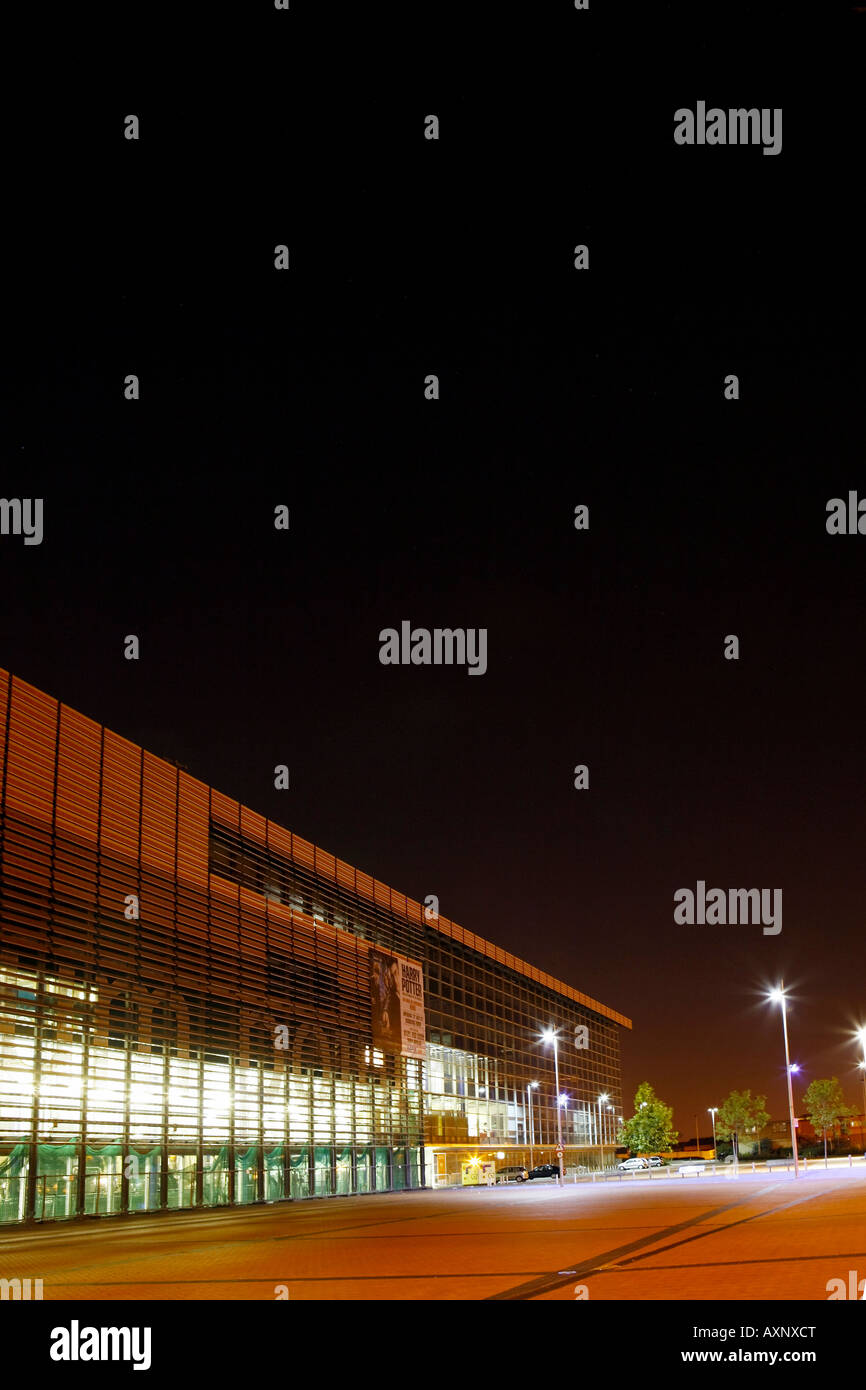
<point x="530" y="1087"/>
<point x="861" y="1038"/>
<point x="794" y="1069"/>
<point x="777" y="996"/>
<point x="714" y="1110"/>
<point x="603" y="1098"/>
<point x="549" y="1036"/>
<point x="563" y="1102"/>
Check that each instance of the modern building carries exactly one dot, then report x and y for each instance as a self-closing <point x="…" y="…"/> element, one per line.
<point x="198" y="1007"/>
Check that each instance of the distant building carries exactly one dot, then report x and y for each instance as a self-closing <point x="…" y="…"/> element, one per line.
<point x="849" y="1133"/>
<point x="778" y="1132"/>
<point x="855" y="1128"/>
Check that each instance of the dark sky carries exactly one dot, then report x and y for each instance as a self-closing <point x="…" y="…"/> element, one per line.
<point x="604" y="387"/>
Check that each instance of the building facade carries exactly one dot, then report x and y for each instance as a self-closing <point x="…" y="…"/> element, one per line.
<point x="188" y="1007"/>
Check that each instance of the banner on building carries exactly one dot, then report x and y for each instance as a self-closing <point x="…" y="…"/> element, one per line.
<point x="397" y="1000"/>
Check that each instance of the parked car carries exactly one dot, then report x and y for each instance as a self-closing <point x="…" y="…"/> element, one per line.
<point x="655" y="1161"/>
<point x="512" y="1174"/>
<point x="544" y="1170"/>
<point x="633" y="1165"/>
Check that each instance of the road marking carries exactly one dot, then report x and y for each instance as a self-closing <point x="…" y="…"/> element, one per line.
<point x="737" y="1264"/>
<point x="715" y="1230"/>
<point x="595" y="1262"/>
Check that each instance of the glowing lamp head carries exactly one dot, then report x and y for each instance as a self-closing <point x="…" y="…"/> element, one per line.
<point x="604" y="1096"/>
<point x="776" y="996"/>
<point x="548" y="1035"/>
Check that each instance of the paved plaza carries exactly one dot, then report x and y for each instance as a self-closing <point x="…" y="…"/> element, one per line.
<point x="758" y="1236"/>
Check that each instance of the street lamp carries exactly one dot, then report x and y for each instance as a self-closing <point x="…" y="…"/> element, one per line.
<point x="603" y="1097"/>
<point x="714" y="1110"/>
<point x="563" y="1101"/>
<point x="549" y="1036"/>
<point x="861" y="1038"/>
<point x="531" y="1085"/>
<point x="777" y="996"/>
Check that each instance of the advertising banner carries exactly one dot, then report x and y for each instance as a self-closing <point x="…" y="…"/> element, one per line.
<point x="397" y="1002"/>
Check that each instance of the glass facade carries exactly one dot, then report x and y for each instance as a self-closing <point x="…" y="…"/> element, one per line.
<point x="185" y="1014"/>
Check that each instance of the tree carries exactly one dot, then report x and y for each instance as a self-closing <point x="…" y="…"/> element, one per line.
<point x="825" y="1107"/>
<point x="650" y="1129"/>
<point x="740" y="1113"/>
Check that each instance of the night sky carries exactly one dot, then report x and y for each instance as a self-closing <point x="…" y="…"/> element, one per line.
<point x="558" y="387"/>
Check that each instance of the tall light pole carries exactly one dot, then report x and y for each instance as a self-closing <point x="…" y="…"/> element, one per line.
<point x="563" y="1101"/>
<point x="861" y="1038"/>
<point x="549" y="1036"/>
<point x="531" y="1085"/>
<point x="611" y="1130"/>
<point x="714" y="1110"/>
<point x="604" y="1097"/>
<point x="777" y="996"/>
